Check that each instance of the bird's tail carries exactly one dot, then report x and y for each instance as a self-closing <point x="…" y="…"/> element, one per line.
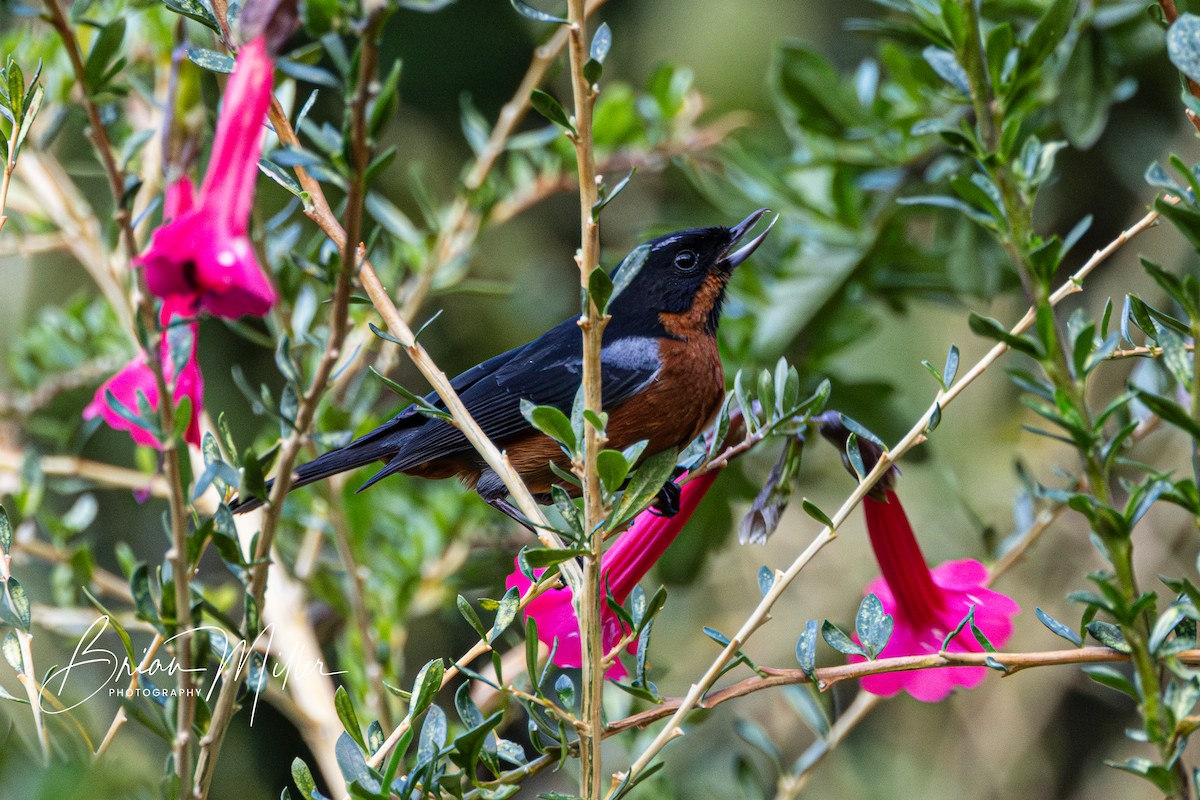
<point x="358" y="453"/>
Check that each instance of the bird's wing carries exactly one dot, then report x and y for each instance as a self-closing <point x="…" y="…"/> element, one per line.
<point x="547" y="371"/>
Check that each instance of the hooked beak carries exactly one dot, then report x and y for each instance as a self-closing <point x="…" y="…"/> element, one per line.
<point x="741" y="229"/>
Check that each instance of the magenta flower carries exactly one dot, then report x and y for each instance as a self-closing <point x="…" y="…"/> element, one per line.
<point x="927" y="605"/>
<point x="136" y="378"/>
<point x="202" y="251"/>
<point x="622" y="566"/>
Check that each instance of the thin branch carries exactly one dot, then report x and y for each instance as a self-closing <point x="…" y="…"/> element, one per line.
<point x="26" y="675"/>
<point x="592" y="324"/>
<point x="134" y="680"/>
<point x="828" y="676"/>
<point x="110" y="475"/>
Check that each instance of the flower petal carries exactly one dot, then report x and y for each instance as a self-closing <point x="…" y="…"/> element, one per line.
<point x="133" y="379"/>
<point x="228" y="187"/>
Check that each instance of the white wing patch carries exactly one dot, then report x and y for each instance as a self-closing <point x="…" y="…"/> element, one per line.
<point x="635" y="353"/>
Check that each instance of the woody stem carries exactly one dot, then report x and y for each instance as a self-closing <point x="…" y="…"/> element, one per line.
<point x="592" y="323"/>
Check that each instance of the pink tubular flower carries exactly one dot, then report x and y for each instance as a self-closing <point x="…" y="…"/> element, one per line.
<point x="622" y="566"/>
<point x="202" y="251"/>
<point x="136" y="378"/>
<point x="927" y="605"/>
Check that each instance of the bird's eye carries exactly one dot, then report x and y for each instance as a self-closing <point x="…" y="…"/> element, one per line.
<point x="685" y="260"/>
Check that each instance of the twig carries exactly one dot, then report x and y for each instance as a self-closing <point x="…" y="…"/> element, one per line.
<point x="26" y="675"/>
<point x="110" y="475"/>
<point x="592" y="323"/>
<point x="134" y="680"/>
<point x="105" y="582"/>
<point x="828" y="676"/>
<point x="915" y="436"/>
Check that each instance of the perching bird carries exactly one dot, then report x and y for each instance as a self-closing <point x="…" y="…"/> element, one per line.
<point x="662" y="378"/>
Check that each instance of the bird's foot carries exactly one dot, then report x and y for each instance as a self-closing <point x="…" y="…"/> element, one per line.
<point x="667" y="502"/>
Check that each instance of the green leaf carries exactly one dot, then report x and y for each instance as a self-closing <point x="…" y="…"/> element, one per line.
<point x="950" y="370"/>
<point x="472" y="618"/>
<point x="1183" y="45"/>
<point x="347" y="716"/>
<point x="18" y="601"/>
<point x="873" y="625"/>
<point x="6" y="532"/>
<point x="1047" y="33"/>
<point x="551" y="109"/>
<point x="935" y="418"/>
<point x="1170" y="411"/>
<point x="506" y="613"/>
<point x="644" y="486"/>
<point x="820" y="516"/>
<point x="303" y="778"/>
<point x="1108" y="635"/>
<point x="838" y="640"/>
<point x="532" y="648"/>
<point x="122" y="634"/>
<point x="986" y="326"/>
<point x="564" y="688"/>
<point x="766" y="579"/>
<point x="276" y="173"/>
<point x="806" y="701"/>
<point x="194" y="9"/>
<point x="210" y="60"/>
<point x="629" y="267"/>
<point x="423" y="406"/>
<point x="948" y="69"/>
<point x="32" y="107"/>
<point x="353" y="765"/>
<point x="1058" y="628"/>
<point x="1111" y="677"/>
<point x="543" y="557"/>
<point x="1087" y="84"/>
<point x="1162" y="777"/>
<point x="433" y="736"/>
<point x="600" y="289"/>
<point x="806" y="650"/>
<point x="426" y="686"/>
<point x="613" y="469"/>
<point x="550" y="421"/>
<point x="105" y="49"/>
<point x="854" y="456"/>
<point x="11" y="648"/>
<point x="529" y="12"/>
<point x="601" y="44"/>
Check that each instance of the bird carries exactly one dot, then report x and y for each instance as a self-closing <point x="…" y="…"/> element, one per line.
<point x="662" y="378"/>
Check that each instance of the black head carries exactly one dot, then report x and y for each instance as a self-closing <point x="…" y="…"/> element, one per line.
<point x="683" y="275"/>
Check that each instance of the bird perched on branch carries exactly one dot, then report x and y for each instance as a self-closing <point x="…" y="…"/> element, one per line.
<point x="662" y="377"/>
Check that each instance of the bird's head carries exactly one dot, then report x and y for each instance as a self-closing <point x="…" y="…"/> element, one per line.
<point x="679" y="279"/>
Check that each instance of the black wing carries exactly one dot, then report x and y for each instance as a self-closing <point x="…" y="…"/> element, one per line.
<point x="547" y="372"/>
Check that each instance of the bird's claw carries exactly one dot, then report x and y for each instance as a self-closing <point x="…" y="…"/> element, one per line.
<point x="667" y="502"/>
